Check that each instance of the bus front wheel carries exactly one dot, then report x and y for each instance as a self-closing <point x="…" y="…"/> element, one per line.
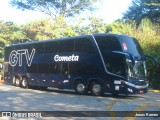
<point x="80" y="88"/>
<point x="96" y="88"/>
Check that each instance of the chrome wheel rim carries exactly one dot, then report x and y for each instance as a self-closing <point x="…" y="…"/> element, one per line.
<point x="96" y="89"/>
<point x="80" y="88"/>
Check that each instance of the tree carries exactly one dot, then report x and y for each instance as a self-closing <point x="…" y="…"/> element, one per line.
<point x="55" y="8"/>
<point x="141" y="9"/>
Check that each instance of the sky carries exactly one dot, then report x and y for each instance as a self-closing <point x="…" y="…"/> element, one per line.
<point x="109" y="10"/>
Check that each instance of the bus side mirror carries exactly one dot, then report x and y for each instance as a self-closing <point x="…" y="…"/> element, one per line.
<point x="1" y="66"/>
<point x="153" y="58"/>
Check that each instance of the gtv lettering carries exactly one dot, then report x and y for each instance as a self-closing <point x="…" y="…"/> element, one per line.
<point x="15" y="57"/>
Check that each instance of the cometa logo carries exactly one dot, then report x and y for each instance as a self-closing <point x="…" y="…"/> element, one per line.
<point x="66" y="58"/>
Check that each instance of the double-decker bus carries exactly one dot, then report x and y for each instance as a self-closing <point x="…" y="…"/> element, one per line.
<point x="95" y="63"/>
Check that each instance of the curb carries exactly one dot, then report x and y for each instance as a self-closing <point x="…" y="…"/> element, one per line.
<point x="153" y="90"/>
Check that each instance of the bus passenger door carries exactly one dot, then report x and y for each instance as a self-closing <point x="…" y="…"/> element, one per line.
<point x="65" y="77"/>
<point x="59" y="73"/>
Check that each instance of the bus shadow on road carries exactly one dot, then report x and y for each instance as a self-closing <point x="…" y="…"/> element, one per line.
<point x="107" y="95"/>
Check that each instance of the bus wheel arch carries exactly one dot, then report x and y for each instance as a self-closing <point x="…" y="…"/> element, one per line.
<point x="96" y="87"/>
<point x="80" y="86"/>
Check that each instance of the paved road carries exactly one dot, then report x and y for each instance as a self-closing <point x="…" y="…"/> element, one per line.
<point x="19" y="99"/>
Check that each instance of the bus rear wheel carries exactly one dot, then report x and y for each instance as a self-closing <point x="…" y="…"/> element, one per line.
<point x="80" y="88"/>
<point x="96" y="88"/>
<point x="24" y="83"/>
<point x="17" y="82"/>
<point x="14" y="81"/>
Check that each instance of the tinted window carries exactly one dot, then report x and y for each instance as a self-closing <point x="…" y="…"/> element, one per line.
<point x="115" y="63"/>
<point x="75" y="68"/>
<point x="83" y="45"/>
<point x="108" y="43"/>
<point x="66" y="46"/>
<point x="83" y="69"/>
<point x="39" y="48"/>
<point x="131" y="45"/>
<point x="32" y="68"/>
<point x="59" y="68"/>
<point x="88" y="69"/>
<point x="51" y="47"/>
<point x="55" y="68"/>
<point x="43" y="68"/>
<point x="64" y="69"/>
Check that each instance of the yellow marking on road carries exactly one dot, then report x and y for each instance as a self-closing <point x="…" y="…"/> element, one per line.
<point x="109" y="107"/>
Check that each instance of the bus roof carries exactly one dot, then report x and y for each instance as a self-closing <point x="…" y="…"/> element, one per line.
<point x="65" y="38"/>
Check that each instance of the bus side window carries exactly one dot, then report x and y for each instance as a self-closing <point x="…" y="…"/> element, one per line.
<point x="108" y="43"/>
<point x="43" y="68"/>
<point x="55" y="68"/>
<point x="64" y="69"/>
<point x="75" y="68"/>
<point x="115" y="64"/>
<point x="51" y="47"/>
<point x="66" y="45"/>
<point x="32" y="68"/>
<point x="83" y="45"/>
<point x="83" y="69"/>
<point x="39" y="48"/>
<point x="88" y="69"/>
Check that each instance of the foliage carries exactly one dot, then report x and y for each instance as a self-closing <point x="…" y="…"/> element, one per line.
<point x="141" y="9"/>
<point x="43" y="29"/>
<point x="50" y="29"/>
<point x="148" y="36"/>
<point x="10" y="33"/>
<point x="55" y="8"/>
<point x="92" y="25"/>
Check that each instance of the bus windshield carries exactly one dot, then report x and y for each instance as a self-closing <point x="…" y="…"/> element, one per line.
<point x="137" y="70"/>
<point x="119" y="64"/>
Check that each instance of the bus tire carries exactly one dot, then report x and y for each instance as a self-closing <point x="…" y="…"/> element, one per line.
<point x="14" y="81"/>
<point x="17" y="82"/>
<point x="24" y="83"/>
<point x="96" y="89"/>
<point x="80" y="88"/>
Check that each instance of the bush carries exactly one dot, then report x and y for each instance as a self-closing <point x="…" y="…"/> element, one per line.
<point x="156" y="79"/>
<point x="156" y="83"/>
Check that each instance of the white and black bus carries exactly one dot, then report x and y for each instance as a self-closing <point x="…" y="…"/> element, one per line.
<point x="94" y="63"/>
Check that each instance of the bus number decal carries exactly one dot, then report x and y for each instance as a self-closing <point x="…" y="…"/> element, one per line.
<point x="16" y="57"/>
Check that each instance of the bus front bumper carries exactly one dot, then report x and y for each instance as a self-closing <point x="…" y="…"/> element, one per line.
<point x="125" y="87"/>
<point x="136" y="89"/>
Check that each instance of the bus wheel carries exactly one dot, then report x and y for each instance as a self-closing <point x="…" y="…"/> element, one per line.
<point x="80" y="88"/>
<point x="17" y="82"/>
<point x="24" y="83"/>
<point x="14" y="81"/>
<point x="96" y="89"/>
